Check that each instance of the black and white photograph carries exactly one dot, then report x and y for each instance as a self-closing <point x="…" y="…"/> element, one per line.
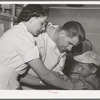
<point x="51" y="46"/>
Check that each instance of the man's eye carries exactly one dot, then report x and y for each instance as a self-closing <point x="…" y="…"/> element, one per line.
<point x="83" y="68"/>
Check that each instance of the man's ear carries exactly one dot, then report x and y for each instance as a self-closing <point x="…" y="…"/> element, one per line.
<point x="94" y="70"/>
<point x="62" y="34"/>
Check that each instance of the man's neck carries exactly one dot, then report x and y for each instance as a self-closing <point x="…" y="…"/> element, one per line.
<point x="52" y="32"/>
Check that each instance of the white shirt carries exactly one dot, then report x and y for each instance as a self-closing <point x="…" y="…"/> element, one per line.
<point x="49" y="53"/>
<point x="17" y="47"/>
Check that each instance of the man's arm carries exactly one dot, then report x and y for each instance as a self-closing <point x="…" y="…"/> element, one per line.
<point x="48" y="76"/>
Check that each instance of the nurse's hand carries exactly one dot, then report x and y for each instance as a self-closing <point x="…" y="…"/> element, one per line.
<point x="57" y="74"/>
<point x="63" y="76"/>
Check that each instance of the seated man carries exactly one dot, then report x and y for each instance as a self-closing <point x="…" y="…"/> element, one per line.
<point x="88" y="67"/>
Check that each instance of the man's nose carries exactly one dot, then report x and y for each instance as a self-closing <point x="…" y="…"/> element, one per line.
<point x="79" y="69"/>
<point x="69" y="47"/>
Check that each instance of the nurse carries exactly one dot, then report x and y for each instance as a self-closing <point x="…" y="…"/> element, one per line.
<point x="18" y="48"/>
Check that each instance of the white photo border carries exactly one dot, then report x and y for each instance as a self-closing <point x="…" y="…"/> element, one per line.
<point x="49" y="94"/>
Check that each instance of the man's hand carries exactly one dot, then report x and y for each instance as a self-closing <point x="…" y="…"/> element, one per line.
<point x="78" y="85"/>
<point x="81" y="86"/>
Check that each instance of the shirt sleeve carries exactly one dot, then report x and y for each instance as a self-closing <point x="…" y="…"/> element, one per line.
<point x="26" y="48"/>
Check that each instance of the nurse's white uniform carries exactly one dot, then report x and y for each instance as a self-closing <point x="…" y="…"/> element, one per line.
<point x="17" y="47"/>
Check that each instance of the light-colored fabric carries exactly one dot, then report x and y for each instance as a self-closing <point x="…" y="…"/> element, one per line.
<point x="88" y="57"/>
<point x="17" y="46"/>
<point x="50" y="55"/>
<point x="8" y="79"/>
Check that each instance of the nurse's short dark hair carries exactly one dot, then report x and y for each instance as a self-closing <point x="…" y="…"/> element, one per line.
<point x="32" y="10"/>
<point x="73" y="29"/>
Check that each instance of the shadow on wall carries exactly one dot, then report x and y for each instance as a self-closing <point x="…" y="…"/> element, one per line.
<point x="90" y="18"/>
<point x="95" y="40"/>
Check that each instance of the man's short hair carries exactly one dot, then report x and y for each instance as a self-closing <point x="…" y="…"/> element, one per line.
<point x="74" y="28"/>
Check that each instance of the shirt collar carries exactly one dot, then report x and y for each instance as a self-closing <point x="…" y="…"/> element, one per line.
<point x="23" y="25"/>
<point x="25" y="29"/>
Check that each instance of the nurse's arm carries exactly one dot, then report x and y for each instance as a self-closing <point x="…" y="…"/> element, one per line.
<point x="31" y="80"/>
<point x="48" y="76"/>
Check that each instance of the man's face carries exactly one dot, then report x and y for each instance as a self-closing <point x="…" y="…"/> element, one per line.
<point x="65" y="43"/>
<point x="84" y="70"/>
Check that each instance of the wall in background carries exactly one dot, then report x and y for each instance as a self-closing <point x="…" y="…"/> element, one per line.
<point x="6" y="22"/>
<point x="90" y="19"/>
<point x="95" y="40"/>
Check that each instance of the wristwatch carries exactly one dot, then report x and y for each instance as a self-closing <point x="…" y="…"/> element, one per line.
<point x="41" y="83"/>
